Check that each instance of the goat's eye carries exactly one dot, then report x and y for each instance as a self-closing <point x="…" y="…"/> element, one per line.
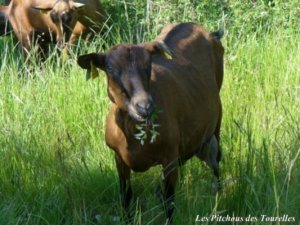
<point x="124" y="93"/>
<point x="109" y="69"/>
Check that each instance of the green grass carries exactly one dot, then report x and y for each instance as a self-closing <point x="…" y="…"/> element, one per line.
<point x="56" y="168"/>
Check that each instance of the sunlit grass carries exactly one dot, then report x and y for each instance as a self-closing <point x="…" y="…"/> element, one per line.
<point x="56" y="168"/>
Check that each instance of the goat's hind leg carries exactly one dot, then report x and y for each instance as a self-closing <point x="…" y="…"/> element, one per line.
<point x="211" y="154"/>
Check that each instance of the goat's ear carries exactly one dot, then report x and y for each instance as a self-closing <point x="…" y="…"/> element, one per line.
<point x="44" y="7"/>
<point x="90" y="62"/>
<point x="77" y="5"/>
<point x="159" y="47"/>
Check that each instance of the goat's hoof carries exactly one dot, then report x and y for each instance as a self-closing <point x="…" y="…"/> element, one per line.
<point x="217" y="186"/>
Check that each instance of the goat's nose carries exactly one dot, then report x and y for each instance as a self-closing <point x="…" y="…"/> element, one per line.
<point x="144" y="108"/>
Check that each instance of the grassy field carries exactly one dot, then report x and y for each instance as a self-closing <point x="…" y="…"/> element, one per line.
<point x="56" y="169"/>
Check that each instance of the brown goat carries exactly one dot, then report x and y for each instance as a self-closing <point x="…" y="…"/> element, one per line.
<point x="41" y="22"/>
<point x="186" y="89"/>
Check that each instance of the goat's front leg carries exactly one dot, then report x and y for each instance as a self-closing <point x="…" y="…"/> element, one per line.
<point x="170" y="172"/>
<point x="125" y="187"/>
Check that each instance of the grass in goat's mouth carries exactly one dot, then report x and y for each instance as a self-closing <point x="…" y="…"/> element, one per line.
<point x="148" y="129"/>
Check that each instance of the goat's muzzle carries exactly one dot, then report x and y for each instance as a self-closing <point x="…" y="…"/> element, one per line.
<point x="142" y="109"/>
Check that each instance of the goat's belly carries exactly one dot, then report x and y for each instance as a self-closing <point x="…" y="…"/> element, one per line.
<point x="139" y="165"/>
<point x="137" y="161"/>
<point x="140" y="168"/>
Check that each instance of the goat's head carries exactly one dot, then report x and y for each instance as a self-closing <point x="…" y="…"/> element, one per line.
<point x="63" y="15"/>
<point x="128" y="70"/>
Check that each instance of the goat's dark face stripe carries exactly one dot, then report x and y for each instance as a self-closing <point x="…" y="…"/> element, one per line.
<point x="129" y="69"/>
<point x="64" y="17"/>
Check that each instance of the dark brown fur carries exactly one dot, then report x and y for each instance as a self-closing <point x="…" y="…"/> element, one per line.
<point x="186" y="89"/>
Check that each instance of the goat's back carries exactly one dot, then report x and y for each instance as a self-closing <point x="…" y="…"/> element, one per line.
<point x="187" y="87"/>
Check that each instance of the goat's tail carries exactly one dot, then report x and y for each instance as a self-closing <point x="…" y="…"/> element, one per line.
<point x="218" y="34"/>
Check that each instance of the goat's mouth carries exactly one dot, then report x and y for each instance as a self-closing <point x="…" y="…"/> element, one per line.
<point x="136" y="116"/>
